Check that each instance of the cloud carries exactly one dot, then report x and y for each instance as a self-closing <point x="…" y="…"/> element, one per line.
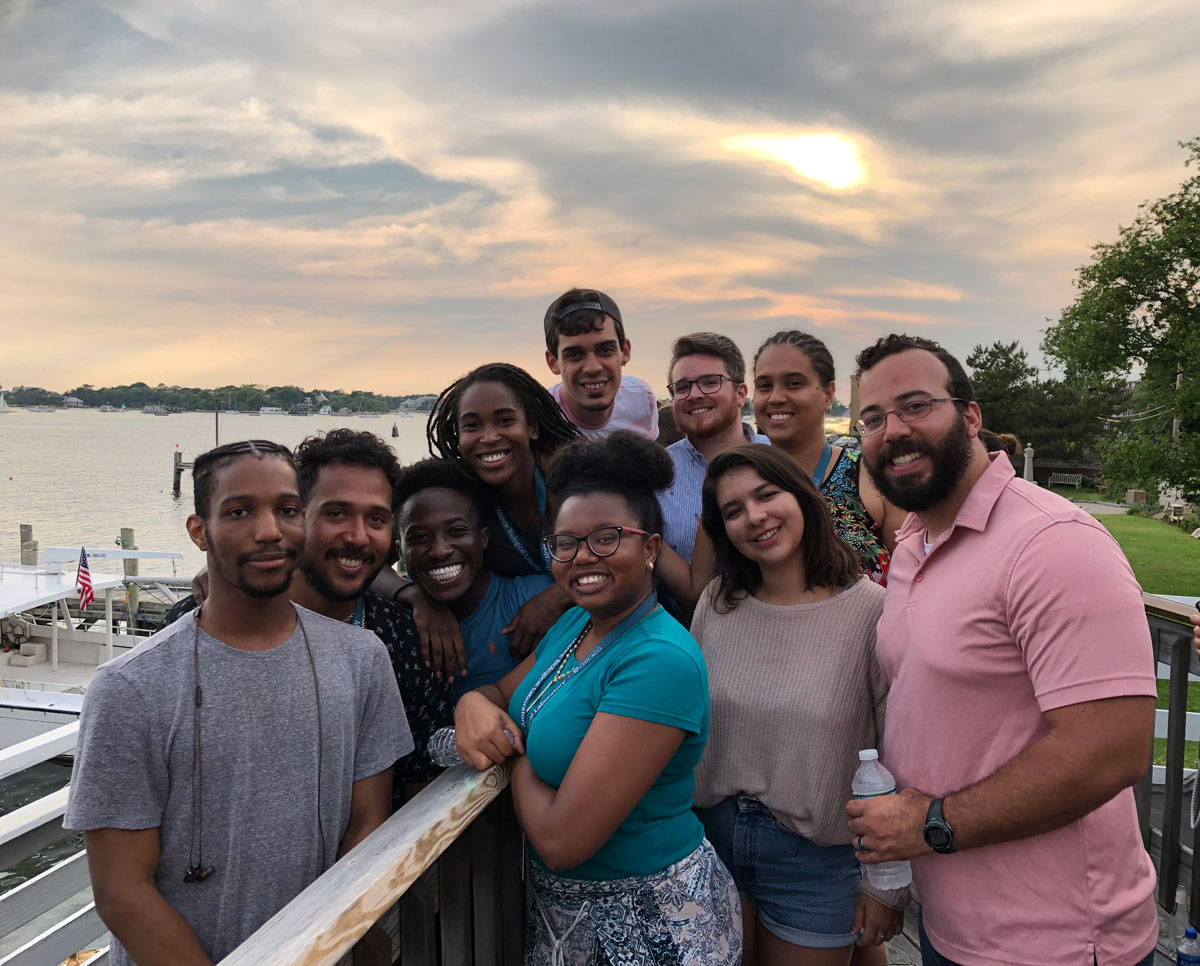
<point x="373" y="187"/>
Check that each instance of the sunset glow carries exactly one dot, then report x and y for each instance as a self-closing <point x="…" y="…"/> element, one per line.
<point x="832" y="159"/>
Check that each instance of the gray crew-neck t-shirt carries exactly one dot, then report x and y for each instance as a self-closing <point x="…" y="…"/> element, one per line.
<point x="259" y="725"/>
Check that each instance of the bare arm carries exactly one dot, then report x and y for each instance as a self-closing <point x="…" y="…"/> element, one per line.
<point x="122" y="864"/>
<point x="686" y="581"/>
<point x="618" y="761"/>
<point x="1195" y="619"/>
<point x="1091" y="752"/>
<point x="370" y="805"/>
<point x="887" y="515"/>
<point x="536" y="616"/>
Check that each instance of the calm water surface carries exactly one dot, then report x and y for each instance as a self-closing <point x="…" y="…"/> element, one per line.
<point x="78" y="476"/>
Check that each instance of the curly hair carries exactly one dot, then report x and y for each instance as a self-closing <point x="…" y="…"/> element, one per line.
<point x="827" y="560"/>
<point x="958" y="384"/>
<point x="345" y="447"/>
<point x="554" y="429"/>
<point x="441" y="474"/>
<point x="206" y="466"/>
<point x="813" y="348"/>
<point x="623" y="464"/>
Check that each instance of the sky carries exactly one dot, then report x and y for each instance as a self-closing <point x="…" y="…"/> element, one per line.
<point x="383" y="195"/>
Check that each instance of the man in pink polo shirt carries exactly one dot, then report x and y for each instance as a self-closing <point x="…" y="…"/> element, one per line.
<point x="1022" y="692"/>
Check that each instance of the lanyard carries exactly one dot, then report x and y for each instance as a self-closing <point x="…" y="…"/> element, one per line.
<point x="542" y="566"/>
<point x="357" y="617"/>
<point x="822" y="465"/>
<point x="534" y="702"/>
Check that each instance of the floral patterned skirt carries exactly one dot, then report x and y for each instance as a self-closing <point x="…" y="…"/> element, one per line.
<point x="687" y="915"/>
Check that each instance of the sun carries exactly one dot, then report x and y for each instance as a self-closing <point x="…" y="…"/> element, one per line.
<point x="832" y="159"/>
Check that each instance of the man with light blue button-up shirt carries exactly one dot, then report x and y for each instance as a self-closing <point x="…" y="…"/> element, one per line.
<point x="707" y="384"/>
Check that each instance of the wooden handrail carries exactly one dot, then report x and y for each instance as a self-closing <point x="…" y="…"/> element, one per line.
<point x="1171" y="610"/>
<point x="326" y="919"/>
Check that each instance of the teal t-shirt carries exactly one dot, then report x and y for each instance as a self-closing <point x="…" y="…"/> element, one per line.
<point x="653" y="672"/>
<point x="488" y="659"/>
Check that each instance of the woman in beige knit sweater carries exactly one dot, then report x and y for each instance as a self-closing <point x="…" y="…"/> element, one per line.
<point x="788" y="632"/>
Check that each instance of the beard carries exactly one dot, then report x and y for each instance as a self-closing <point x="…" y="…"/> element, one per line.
<point x="325" y="587"/>
<point x="950" y="457"/>
<point x="258" y="591"/>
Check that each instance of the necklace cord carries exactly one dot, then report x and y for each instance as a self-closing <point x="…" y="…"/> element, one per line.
<point x="196" y="871"/>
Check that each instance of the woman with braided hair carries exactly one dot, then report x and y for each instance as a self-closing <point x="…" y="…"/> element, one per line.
<point x="501" y="427"/>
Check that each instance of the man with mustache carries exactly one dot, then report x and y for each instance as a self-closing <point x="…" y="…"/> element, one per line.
<point x="230" y="759"/>
<point x="348" y="483"/>
<point x="1022" y="693"/>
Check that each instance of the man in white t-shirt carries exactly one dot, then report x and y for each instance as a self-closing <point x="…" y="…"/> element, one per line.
<point x="586" y="346"/>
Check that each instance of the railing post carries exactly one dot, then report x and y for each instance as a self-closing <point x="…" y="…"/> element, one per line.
<point x="1168" y="877"/>
<point x="132" y="593"/>
<point x="29" y="546"/>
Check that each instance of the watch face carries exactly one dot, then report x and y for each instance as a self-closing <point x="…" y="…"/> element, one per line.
<point x="937" y="837"/>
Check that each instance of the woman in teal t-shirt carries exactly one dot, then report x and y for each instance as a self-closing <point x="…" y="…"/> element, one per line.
<point x="608" y="719"/>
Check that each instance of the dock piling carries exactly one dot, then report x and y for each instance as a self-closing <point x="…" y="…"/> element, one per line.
<point x="29" y="546"/>
<point x="132" y="593"/>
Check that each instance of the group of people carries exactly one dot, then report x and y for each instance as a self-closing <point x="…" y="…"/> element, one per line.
<point x="678" y="650"/>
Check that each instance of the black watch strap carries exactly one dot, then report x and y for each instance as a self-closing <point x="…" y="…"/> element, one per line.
<point x="939" y="836"/>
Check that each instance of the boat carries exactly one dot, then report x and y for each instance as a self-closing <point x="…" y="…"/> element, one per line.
<point x="155" y="410"/>
<point x="270" y="411"/>
<point x="41" y="409"/>
<point x="107" y="408"/>
<point x="4" y="407"/>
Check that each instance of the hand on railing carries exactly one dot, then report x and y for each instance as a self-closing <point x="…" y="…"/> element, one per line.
<point x="484" y="733"/>
<point x="1195" y="619"/>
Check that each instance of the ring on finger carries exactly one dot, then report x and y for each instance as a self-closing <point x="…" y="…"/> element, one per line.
<point x="861" y="847"/>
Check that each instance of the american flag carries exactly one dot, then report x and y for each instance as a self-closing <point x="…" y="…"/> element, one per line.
<point x="83" y="580"/>
<point x="321" y="397"/>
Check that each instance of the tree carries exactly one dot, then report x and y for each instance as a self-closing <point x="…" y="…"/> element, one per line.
<point x="1138" y="308"/>
<point x="1004" y="386"/>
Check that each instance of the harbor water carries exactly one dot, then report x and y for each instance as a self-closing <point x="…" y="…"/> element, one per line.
<point x="79" y="476"/>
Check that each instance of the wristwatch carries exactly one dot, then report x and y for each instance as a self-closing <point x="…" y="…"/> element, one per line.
<point x="939" y="836"/>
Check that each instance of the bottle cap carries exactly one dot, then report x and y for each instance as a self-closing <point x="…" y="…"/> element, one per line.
<point x="1190" y="932"/>
<point x="868" y="754"/>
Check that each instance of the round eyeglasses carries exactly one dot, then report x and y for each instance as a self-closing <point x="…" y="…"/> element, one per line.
<point x="603" y="542"/>
<point x="908" y="411"/>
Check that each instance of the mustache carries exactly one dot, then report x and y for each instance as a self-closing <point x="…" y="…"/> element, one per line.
<point x="351" y="553"/>
<point x="903" y="447"/>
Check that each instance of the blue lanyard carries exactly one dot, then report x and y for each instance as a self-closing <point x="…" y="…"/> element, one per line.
<point x="542" y="566"/>
<point x="822" y="465"/>
<point x="357" y="618"/>
<point x="534" y="702"/>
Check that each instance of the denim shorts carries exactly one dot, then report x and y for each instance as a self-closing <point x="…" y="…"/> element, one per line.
<point x="803" y="893"/>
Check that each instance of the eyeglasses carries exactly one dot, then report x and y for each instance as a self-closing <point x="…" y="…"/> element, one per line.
<point x="708" y="385"/>
<point x="603" y="542"/>
<point x="907" y="412"/>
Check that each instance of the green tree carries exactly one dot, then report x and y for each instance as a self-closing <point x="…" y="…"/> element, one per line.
<point x="1138" y="309"/>
<point x="1005" y="387"/>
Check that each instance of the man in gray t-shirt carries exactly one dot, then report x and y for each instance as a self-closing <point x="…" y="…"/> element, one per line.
<point x="299" y="720"/>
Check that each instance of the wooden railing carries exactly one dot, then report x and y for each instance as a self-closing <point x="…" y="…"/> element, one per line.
<point x="468" y="909"/>
<point x="1171" y="849"/>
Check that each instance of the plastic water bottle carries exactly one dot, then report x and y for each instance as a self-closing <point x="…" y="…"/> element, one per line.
<point x="442" y="748"/>
<point x="1188" y="953"/>
<point x="1179" y="921"/>
<point x="870" y="780"/>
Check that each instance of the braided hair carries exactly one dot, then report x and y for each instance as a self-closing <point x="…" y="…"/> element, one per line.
<point x="541" y="410"/>
<point x="813" y="348"/>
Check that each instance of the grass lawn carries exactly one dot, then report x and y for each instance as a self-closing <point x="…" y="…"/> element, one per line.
<point x="1164" y="558"/>
<point x="1073" y="494"/>
<point x="1191" y="749"/>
